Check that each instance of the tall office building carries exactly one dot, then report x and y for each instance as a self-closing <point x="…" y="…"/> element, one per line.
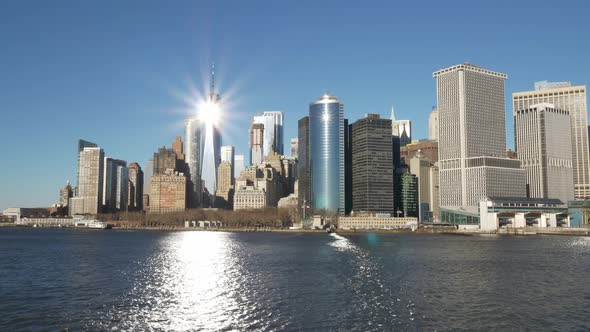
<point x="543" y="144"/>
<point x="228" y="154"/>
<point x="372" y="165"/>
<point x="177" y="147"/>
<point x="135" y="187"/>
<point x="401" y="128"/>
<point x="192" y="152"/>
<point x="303" y="162"/>
<point x="122" y="187"/>
<point x="147" y="183"/>
<point x="273" y="131"/>
<point x="240" y="165"/>
<point x="81" y="145"/>
<point x="326" y="154"/>
<point x="427" y="197"/>
<point x="164" y="159"/>
<point x="224" y="194"/>
<point x="472" y="138"/>
<point x="433" y="125"/>
<point x="572" y="99"/>
<point x="90" y="181"/>
<point x="294" y="145"/>
<point x="406" y="194"/>
<point x="113" y="184"/>
<point x="256" y="143"/>
<point x="65" y="194"/>
<point x="210" y="148"/>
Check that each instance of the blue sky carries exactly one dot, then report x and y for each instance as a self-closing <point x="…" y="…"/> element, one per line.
<point x="117" y="72"/>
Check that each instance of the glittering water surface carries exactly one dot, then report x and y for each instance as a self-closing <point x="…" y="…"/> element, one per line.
<point x="53" y="279"/>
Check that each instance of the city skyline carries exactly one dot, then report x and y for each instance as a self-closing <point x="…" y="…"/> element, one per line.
<point x="157" y="120"/>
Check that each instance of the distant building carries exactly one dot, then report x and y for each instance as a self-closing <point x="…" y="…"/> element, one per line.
<point x="372" y="165"/>
<point x="65" y="194"/>
<point x="579" y="212"/>
<point x="192" y="152"/>
<point x="113" y="184"/>
<point x="168" y="192"/>
<point x="81" y="145"/>
<point x="90" y="182"/>
<point x="564" y="96"/>
<point x="511" y="154"/>
<point x="294" y="146"/>
<point x="147" y="183"/>
<point x="401" y="128"/>
<point x="472" y="138"/>
<point x="427" y="197"/>
<point x="225" y="187"/>
<point x="272" y="123"/>
<point x="304" y="162"/>
<point x="428" y="150"/>
<point x="177" y="147"/>
<point x="228" y="154"/>
<point x="377" y="221"/>
<point x="135" y="187"/>
<point x="406" y="194"/>
<point x="543" y="141"/>
<point x="164" y="160"/>
<point x="122" y="188"/>
<point x="256" y="143"/>
<point x="433" y="125"/>
<point x="239" y="165"/>
<point x="256" y="188"/>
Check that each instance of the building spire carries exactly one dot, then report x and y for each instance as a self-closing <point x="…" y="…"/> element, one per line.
<point x="392" y="114"/>
<point x="212" y="82"/>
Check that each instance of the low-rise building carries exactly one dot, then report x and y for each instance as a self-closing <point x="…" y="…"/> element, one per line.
<point x="377" y="221"/>
<point x="579" y="212"/>
<point x="249" y="198"/>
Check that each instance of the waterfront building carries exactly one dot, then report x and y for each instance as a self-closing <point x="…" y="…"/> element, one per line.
<point x="239" y="166"/>
<point x="564" y="96"/>
<point x="135" y="187"/>
<point x="65" y="194"/>
<point x="90" y="182"/>
<point x="372" y="165"/>
<point x="377" y="221"/>
<point x="192" y="152"/>
<point x="164" y="160"/>
<point x="256" y="143"/>
<point x="579" y="212"/>
<point x="433" y="125"/>
<point x="272" y="123"/>
<point x="543" y="142"/>
<point x="224" y="194"/>
<point x="303" y="162"/>
<point x="326" y="154"/>
<point x="294" y="146"/>
<point x="495" y="213"/>
<point x="472" y="138"/>
<point x="168" y="192"/>
<point x="405" y="194"/>
<point x="428" y="150"/>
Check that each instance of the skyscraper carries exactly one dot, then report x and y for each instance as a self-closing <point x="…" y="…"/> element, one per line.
<point x="326" y="144"/>
<point x="543" y="145"/>
<point x="81" y="145"/>
<point x="115" y="180"/>
<point x="240" y="165"/>
<point x="472" y="138"/>
<point x="147" y="183"/>
<point x="224" y="185"/>
<point x="273" y="131"/>
<point x="90" y="181"/>
<point x="372" y="165"/>
<point x="433" y="125"/>
<point x="401" y="128"/>
<point x="164" y="159"/>
<point x="256" y="143"/>
<point x="122" y="188"/>
<point x="572" y="99"/>
<point x="135" y="187"/>
<point x="228" y="154"/>
<point x="192" y="152"/>
<point x="177" y="147"/>
<point x="294" y="145"/>
<point x="210" y="145"/>
<point x="304" y="162"/>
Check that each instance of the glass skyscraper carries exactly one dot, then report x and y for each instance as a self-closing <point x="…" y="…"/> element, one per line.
<point x="326" y="151"/>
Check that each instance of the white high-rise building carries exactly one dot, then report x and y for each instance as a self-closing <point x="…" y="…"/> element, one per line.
<point x="472" y="138"/>
<point x="90" y="181"/>
<point x="294" y="147"/>
<point x="572" y="99"/>
<point x="401" y="128"/>
<point x="239" y="166"/>
<point x="543" y="145"/>
<point x="273" y="131"/>
<point x="433" y="125"/>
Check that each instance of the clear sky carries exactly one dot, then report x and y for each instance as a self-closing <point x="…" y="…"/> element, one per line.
<point x="118" y="72"/>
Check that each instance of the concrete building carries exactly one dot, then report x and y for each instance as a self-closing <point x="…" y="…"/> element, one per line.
<point x="135" y="187"/>
<point x="433" y="125"/>
<point x="372" y="165"/>
<point x="192" y="152"/>
<point x="572" y="99"/>
<point x="428" y="149"/>
<point x="178" y="148"/>
<point x="256" y="143"/>
<point x="225" y="188"/>
<point x="427" y="197"/>
<point x="228" y="154"/>
<point x="543" y="145"/>
<point x="253" y="183"/>
<point x="249" y="198"/>
<point x="326" y="154"/>
<point x="90" y="182"/>
<point x="168" y="192"/>
<point x="272" y="123"/>
<point x="472" y="138"/>
<point x="294" y="146"/>
<point x="239" y="166"/>
<point x="377" y="221"/>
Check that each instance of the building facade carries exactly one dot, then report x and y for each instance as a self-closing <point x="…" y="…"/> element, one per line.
<point x="224" y="185"/>
<point x="326" y="152"/>
<point x="406" y="194"/>
<point x="472" y="137"/>
<point x="272" y="123"/>
<point x="164" y="160"/>
<point x="192" y="152"/>
<point x="569" y="98"/>
<point x="372" y="165"/>
<point x="135" y="187"/>
<point x="427" y="149"/>
<point x="543" y="145"/>
<point x="294" y="145"/>
<point x="228" y="153"/>
<point x="168" y="192"/>
<point x="433" y="125"/>
<point x="239" y="166"/>
<point x="256" y="143"/>
<point x="304" y="162"/>
<point x="90" y="182"/>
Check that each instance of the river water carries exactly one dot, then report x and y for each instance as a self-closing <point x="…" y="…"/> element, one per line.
<point x="66" y="279"/>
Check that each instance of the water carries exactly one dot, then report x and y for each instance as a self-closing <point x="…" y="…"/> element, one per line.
<point x="54" y="279"/>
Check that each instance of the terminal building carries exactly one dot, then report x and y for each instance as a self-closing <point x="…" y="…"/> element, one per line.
<point x="501" y="212"/>
<point x="377" y="221"/>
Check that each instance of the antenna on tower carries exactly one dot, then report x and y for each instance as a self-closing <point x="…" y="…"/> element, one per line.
<point x="212" y="83"/>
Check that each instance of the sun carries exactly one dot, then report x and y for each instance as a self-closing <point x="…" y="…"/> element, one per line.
<point x="209" y="112"/>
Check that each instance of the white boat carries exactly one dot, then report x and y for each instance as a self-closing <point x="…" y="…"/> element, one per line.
<point x="94" y="224"/>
